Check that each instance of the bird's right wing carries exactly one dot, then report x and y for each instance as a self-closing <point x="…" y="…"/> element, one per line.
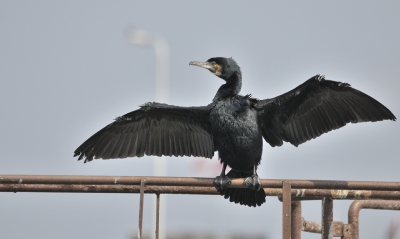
<point x="316" y="107"/>
<point x="154" y="129"/>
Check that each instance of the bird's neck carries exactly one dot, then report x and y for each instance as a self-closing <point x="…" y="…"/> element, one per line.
<point x="231" y="88"/>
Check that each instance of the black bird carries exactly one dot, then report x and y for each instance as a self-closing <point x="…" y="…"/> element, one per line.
<point x="234" y="125"/>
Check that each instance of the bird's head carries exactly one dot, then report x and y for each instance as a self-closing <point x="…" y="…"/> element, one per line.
<point x="219" y="66"/>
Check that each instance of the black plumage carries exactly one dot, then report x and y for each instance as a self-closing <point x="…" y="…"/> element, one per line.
<point x="234" y="125"/>
<point x="154" y="129"/>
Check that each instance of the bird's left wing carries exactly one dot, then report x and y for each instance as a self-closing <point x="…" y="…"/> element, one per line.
<point x="154" y="129"/>
<point x="316" y="107"/>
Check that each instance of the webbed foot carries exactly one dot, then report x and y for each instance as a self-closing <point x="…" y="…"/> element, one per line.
<point x="221" y="182"/>
<point x="253" y="182"/>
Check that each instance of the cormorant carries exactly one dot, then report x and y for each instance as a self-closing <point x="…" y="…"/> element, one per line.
<point x="234" y="125"/>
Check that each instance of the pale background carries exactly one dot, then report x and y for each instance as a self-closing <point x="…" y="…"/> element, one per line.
<point x="66" y="70"/>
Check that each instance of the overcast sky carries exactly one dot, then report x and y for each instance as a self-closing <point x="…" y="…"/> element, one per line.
<point x="66" y="70"/>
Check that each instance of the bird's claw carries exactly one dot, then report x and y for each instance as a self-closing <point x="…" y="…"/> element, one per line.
<point x="253" y="182"/>
<point x="222" y="182"/>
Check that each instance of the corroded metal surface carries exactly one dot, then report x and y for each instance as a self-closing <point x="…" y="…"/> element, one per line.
<point x="99" y="180"/>
<point x="199" y="182"/>
<point x="338" y="229"/>
<point x="158" y="216"/>
<point x="296" y="220"/>
<point x="140" y="232"/>
<point x="313" y="227"/>
<point x="291" y="192"/>
<point x="327" y="218"/>
<point x="297" y="194"/>
<point x="316" y="227"/>
<point x="106" y="189"/>
<point x="286" y="210"/>
<point x="354" y="212"/>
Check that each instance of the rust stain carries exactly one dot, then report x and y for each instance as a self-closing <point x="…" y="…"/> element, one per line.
<point x="339" y="194"/>
<point x="360" y="194"/>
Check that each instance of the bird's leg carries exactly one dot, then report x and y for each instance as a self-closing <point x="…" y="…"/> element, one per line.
<point x="253" y="181"/>
<point x="222" y="181"/>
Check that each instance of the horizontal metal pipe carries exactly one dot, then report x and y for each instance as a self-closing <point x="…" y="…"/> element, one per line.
<point x="124" y="180"/>
<point x="188" y="181"/>
<point x="308" y="226"/>
<point x="307" y="194"/>
<point x="316" y="227"/>
<point x="62" y="188"/>
<point x="299" y="194"/>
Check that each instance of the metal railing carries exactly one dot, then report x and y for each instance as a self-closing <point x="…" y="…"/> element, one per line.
<point x="290" y="192"/>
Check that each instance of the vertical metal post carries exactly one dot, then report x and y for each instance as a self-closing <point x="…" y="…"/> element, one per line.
<point x="142" y="183"/>
<point x="296" y="220"/>
<point x="327" y="218"/>
<point x="158" y="216"/>
<point x="161" y="49"/>
<point x="352" y="229"/>
<point x="286" y="210"/>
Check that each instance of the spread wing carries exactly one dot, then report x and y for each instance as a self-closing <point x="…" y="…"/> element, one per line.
<point x="315" y="107"/>
<point x="154" y="129"/>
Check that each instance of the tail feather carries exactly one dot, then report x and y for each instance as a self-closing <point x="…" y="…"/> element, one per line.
<point x="243" y="196"/>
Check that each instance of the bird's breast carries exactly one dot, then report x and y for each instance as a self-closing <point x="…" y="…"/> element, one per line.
<point x="234" y="124"/>
<point x="236" y="130"/>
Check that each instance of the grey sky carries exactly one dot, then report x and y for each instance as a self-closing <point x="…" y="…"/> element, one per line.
<point x="66" y="71"/>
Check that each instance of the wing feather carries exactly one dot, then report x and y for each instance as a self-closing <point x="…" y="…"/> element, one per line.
<point x="315" y="107"/>
<point x="154" y="129"/>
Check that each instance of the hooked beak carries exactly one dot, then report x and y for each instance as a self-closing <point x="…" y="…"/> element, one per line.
<point x="206" y="65"/>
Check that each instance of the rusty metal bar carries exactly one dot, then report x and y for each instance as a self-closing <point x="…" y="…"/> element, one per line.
<point x="286" y="210"/>
<point x="313" y="227"/>
<point x="307" y="194"/>
<point x="188" y="181"/>
<point x="142" y="183"/>
<point x="105" y="189"/>
<point x="338" y="229"/>
<point x="158" y="215"/>
<point x="316" y="227"/>
<point x="287" y="190"/>
<point x="354" y="212"/>
<point x="297" y="194"/>
<point x="109" y="180"/>
<point x="296" y="220"/>
<point x="327" y="218"/>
